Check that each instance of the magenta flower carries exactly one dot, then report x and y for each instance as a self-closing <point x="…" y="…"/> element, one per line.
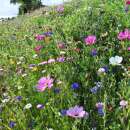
<point x="90" y="40"/>
<point x="128" y="2"/>
<point x="124" y="35"/>
<point x="123" y="103"/>
<point x="38" y="48"/>
<point x="76" y="112"/>
<point x="128" y="48"/>
<point x="44" y="82"/>
<point x="39" y="37"/>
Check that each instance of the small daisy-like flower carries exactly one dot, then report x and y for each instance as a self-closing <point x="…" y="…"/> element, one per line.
<point x="116" y="60"/>
<point x="28" y="106"/>
<point x="40" y="106"/>
<point x="123" y="103"/>
<point x="101" y="71"/>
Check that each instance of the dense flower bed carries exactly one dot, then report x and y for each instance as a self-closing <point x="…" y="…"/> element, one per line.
<point x="68" y="70"/>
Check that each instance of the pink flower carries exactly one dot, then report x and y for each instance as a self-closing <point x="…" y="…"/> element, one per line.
<point x="90" y="40"/>
<point x="44" y="82"/>
<point x="76" y="112"/>
<point x="38" y="48"/>
<point x="128" y="48"/>
<point x="124" y="35"/>
<point x="43" y="63"/>
<point x="123" y="103"/>
<point x="39" y="37"/>
<point x="61" y="45"/>
<point x="51" y="61"/>
<point x="128" y="2"/>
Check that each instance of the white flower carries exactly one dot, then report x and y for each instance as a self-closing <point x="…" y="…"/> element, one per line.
<point x="101" y="70"/>
<point x="62" y="52"/>
<point x="5" y="100"/>
<point x="116" y="60"/>
<point x="35" y="56"/>
<point x="28" y="106"/>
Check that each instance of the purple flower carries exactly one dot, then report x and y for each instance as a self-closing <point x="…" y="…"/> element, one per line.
<point x="61" y="59"/>
<point x="60" y="9"/>
<point x="63" y="112"/>
<point x="94" y="52"/>
<point x="99" y="105"/>
<point x="100" y="112"/>
<point x="76" y="112"/>
<point x="12" y="124"/>
<point x="40" y="106"/>
<point x="75" y="86"/>
<point x="39" y="37"/>
<point x="105" y="68"/>
<point x="48" y="34"/>
<point x="57" y="90"/>
<point x="94" y="90"/>
<point x="19" y="98"/>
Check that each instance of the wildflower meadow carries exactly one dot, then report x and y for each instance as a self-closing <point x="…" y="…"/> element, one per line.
<point x="66" y="68"/>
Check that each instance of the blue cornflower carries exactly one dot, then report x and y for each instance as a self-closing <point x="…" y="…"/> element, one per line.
<point x="19" y="98"/>
<point x="94" y="90"/>
<point x="94" y="52"/>
<point x="63" y="112"/>
<point x="75" y="86"/>
<point x="12" y="124"/>
<point x="57" y="90"/>
<point x="105" y="68"/>
<point x="100" y="111"/>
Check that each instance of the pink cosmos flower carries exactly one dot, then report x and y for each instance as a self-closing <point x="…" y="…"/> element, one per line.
<point x="128" y="48"/>
<point x="90" y="40"/>
<point x="124" y="35"/>
<point x="76" y="112"/>
<point x="44" y="82"/>
<point x="39" y="37"/>
<point x="123" y="103"/>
